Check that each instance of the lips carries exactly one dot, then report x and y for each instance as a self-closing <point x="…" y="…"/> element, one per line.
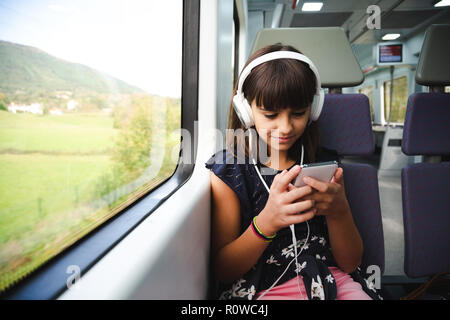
<point x="283" y="139"/>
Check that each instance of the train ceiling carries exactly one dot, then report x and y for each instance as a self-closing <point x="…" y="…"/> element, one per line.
<point x="406" y="17"/>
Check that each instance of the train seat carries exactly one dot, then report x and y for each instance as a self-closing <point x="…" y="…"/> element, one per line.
<point x="345" y="124"/>
<point x="426" y="185"/>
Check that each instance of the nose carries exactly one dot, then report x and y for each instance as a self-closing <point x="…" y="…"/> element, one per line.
<point x="285" y="124"/>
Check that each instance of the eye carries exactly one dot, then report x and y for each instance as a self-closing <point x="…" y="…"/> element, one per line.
<point x="299" y="114"/>
<point x="270" y="115"/>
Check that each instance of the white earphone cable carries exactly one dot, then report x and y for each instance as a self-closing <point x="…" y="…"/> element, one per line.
<point x="296" y="270"/>
<point x="294" y="239"/>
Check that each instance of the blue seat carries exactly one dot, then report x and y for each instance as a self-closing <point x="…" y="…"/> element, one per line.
<point x="426" y="185"/>
<point x="345" y="126"/>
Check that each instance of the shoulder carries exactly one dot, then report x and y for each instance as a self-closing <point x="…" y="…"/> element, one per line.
<point x="225" y="166"/>
<point x="220" y="157"/>
<point x="224" y="169"/>
<point x="229" y="174"/>
<point x="222" y="189"/>
<point x="225" y="161"/>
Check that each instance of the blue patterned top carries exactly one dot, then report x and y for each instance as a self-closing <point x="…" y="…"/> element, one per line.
<point x="316" y="256"/>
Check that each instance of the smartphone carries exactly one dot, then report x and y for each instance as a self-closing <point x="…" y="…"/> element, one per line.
<point x="322" y="171"/>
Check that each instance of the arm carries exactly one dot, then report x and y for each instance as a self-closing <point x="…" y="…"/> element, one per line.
<point x="234" y="254"/>
<point x="345" y="241"/>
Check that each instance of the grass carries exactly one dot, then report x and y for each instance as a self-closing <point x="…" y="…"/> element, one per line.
<point x="36" y="187"/>
<point x="69" y="133"/>
<point x="51" y="172"/>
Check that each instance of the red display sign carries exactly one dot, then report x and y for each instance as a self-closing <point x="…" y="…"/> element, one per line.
<point x="390" y="53"/>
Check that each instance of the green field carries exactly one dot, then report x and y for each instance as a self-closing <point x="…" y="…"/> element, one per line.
<point x="48" y="167"/>
<point x="69" y="133"/>
<point x="52" y="168"/>
<point x="40" y="168"/>
<point x="36" y="187"/>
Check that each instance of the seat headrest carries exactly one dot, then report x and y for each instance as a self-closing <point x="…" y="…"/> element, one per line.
<point x="345" y="125"/>
<point x="434" y="63"/>
<point x="426" y="130"/>
<point x="328" y="48"/>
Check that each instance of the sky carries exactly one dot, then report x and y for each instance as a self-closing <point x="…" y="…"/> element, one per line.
<point x="137" y="41"/>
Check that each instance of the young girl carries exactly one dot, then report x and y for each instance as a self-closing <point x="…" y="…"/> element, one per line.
<point x="253" y="253"/>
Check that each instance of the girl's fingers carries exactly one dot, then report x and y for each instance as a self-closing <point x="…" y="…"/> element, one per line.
<point x="285" y="179"/>
<point x="316" y="196"/>
<point x="277" y="178"/>
<point x="299" y="218"/>
<point x="275" y="181"/>
<point x="339" y="176"/>
<point x="316" y="184"/>
<point x="296" y="207"/>
<point x="297" y="193"/>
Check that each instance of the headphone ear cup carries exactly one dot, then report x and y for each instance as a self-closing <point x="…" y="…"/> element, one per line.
<point x="243" y="110"/>
<point x="317" y="105"/>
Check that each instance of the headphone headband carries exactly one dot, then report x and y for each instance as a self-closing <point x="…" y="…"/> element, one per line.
<point x="275" y="56"/>
<point x="241" y="105"/>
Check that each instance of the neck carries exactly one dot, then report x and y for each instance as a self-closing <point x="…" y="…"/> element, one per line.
<point x="279" y="160"/>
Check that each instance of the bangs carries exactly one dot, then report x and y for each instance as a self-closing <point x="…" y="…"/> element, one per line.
<point x="281" y="84"/>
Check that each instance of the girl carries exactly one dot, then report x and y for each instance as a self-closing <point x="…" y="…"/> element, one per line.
<point x="253" y="247"/>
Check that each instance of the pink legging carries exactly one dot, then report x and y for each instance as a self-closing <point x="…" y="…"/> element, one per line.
<point x="347" y="289"/>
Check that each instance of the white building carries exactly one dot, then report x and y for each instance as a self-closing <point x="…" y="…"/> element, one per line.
<point x="55" y="112"/>
<point x="72" y="105"/>
<point x="35" y="108"/>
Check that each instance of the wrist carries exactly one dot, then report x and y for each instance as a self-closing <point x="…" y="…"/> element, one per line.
<point x="338" y="214"/>
<point x="264" y="225"/>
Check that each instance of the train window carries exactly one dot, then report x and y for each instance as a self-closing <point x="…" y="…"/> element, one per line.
<point x="399" y="100"/>
<point x="90" y="118"/>
<point x="368" y="91"/>
<point x="235" y="46"/>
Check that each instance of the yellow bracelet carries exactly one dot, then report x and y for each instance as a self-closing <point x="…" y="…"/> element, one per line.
<point x="262" y="235"/>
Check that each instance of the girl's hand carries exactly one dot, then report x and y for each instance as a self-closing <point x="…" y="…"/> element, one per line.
<point x="329" y="197"/>
<point x="284" y="205"/>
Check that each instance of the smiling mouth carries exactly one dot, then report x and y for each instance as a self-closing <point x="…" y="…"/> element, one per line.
<point x="282" y="139"/>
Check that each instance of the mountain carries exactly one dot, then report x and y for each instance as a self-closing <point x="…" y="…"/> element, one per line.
<point x="24" y="68"/>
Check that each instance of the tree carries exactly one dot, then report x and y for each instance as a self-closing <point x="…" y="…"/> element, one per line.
<point x="132" y="146"/>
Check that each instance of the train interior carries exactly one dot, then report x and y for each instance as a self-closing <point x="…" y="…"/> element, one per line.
<point x="386" y="114"/>
<point x="348" y="58"/>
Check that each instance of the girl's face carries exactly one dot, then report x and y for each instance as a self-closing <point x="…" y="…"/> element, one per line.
<point x="280" y="129"/>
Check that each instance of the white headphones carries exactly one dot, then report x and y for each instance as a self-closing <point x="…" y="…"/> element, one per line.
<point x="241" y="105"/>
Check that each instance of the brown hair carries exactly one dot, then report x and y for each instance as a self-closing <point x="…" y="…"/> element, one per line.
<point x="279" y="84"/>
